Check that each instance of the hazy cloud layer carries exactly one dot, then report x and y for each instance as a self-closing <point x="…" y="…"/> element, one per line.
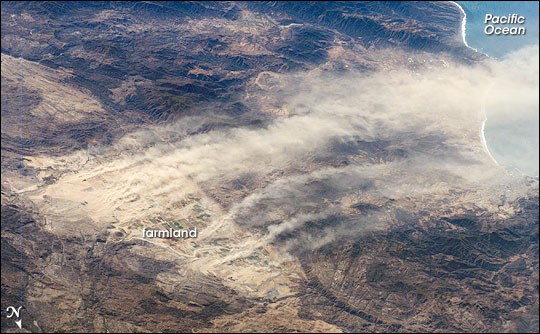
<point x="512" y="110"/>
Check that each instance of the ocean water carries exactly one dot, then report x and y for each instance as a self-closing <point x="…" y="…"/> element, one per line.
<point x="512" y="134"/>
<point x="499" y="46"/>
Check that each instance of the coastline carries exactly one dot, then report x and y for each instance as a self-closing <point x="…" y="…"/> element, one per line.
<point x="463" y="26"/>
<point x="482" y="127"/>
<point x="482" y="133"/>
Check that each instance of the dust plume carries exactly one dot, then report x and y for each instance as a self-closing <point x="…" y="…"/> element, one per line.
<point x="350" y="153"/>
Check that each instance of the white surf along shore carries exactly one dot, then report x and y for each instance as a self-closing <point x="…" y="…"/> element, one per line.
<point x="482" y="128"/>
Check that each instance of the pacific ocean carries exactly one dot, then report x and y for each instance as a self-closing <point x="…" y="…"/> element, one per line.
<point x="512" y="127"/>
